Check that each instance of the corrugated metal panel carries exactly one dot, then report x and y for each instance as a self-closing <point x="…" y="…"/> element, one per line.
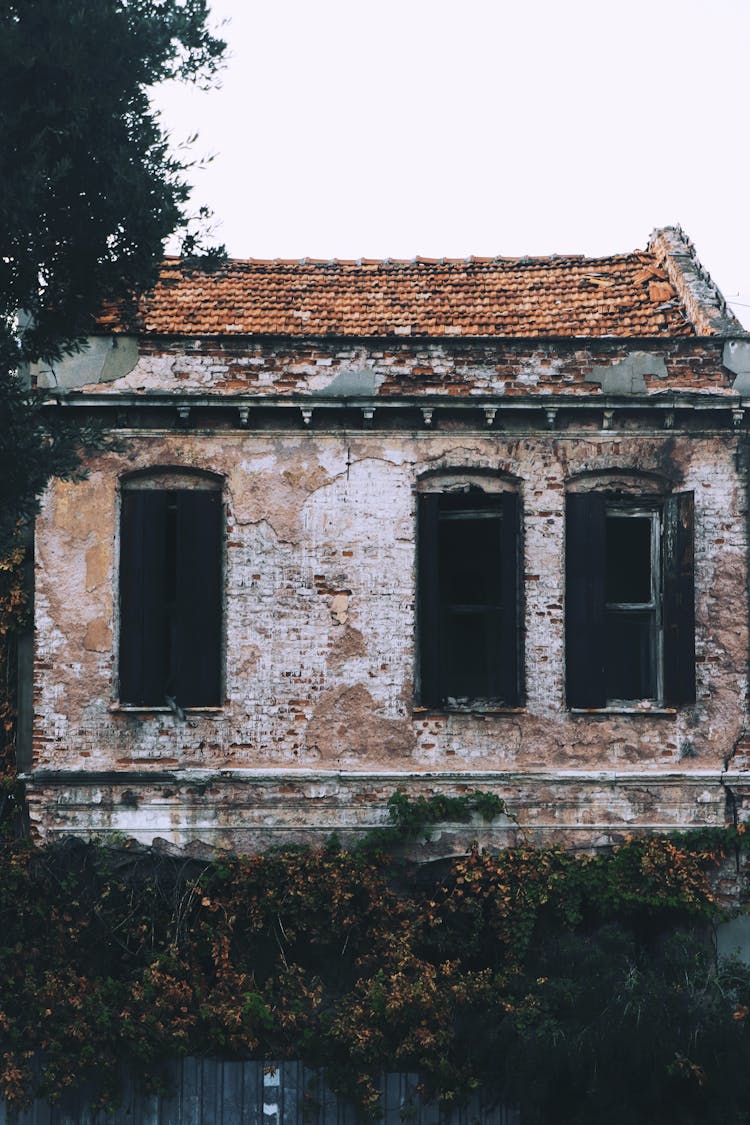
<point x="218" y="1092"/>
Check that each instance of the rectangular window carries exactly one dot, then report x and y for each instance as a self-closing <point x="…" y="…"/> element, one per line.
<point x="632" y="587"/>
<point x="171" y="597"/>
<point x="629" y="600"/>
<point x="468" y="603"/>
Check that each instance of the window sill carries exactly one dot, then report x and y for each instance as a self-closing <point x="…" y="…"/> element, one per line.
<point x="144" y="709"/>
<point x="469" y="709"/>
<point x="623" y="709"/>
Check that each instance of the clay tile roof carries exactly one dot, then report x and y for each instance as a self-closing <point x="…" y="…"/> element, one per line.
<point x="661" y="291"/>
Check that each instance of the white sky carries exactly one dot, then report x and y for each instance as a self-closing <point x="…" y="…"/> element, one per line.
<point x="379" y="128"/>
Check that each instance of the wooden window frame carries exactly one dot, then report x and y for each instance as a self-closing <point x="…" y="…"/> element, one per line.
<point x="652" y="607"/>
<point x="672" y="602"/>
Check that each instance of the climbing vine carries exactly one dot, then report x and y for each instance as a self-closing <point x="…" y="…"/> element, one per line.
<point x="582" y="988"/>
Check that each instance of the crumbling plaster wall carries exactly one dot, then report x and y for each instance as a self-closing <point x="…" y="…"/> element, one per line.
<point x="402" y="367"/>
<point x="320" y="626"/>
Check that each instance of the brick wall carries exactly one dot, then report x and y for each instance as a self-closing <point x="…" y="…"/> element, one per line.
<point x="447" y="368"/>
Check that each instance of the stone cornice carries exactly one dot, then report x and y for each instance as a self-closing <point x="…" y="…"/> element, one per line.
<point x="668" y="410"/>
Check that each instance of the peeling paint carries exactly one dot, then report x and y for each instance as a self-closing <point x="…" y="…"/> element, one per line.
<point x="352" y="384"/>
<point x="102" y="359"/>
<point x="736" y="358"/>
<point x="627" y="376"/>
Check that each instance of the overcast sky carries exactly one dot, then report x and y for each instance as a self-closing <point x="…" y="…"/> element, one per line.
<point x="353" y="128"/>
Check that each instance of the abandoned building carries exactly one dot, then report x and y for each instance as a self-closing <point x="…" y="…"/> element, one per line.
<point x="437" y="525"/>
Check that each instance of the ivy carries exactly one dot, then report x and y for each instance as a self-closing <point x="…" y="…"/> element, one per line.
<point x="413" y="818"/>
<point x="583" y="988"/>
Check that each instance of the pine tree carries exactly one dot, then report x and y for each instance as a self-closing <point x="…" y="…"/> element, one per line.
<point x="89" y="191"/>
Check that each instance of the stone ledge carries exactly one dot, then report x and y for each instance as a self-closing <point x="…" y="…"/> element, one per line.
<point x="249" y="810"/>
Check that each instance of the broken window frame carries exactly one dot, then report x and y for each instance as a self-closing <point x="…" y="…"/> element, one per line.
<point x="486" y="498"/>
<point x="650" y="609"/>
<point x="672" y="603"/>
<point x="170" y="641"/>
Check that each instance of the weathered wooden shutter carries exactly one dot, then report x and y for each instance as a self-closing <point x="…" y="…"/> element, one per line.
<point x="198" y="616"/>
<point x="585" y="632"/>
<point x="143" y="619"/>
<point x="428" y="606"/>
<point x="509" y="655"/>
<point x="502" y="666"/>
<point x="679" y="600"/>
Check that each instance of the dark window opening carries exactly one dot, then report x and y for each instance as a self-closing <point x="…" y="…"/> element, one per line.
<point x="468" y="604"/>
<point x="629" y="557"/>
<point x="171" y="597"/>
<point x="629" y="613"/>
<point x="632" y="605"/>
<point x="169" y="639"/>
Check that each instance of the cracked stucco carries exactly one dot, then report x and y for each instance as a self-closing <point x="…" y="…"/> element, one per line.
<point x="320" y="619"/>
<point x="626" y="377"/>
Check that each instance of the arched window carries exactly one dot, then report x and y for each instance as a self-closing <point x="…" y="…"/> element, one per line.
<point x="171" y="554"/>
<point x="629" y="606"/>
<point x="468" y="604"/>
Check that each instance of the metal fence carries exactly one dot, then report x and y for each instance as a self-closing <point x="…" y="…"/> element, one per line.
<point x="218" y="1092"/>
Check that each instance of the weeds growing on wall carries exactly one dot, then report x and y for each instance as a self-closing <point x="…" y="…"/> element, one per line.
<point x="582" y="989"/>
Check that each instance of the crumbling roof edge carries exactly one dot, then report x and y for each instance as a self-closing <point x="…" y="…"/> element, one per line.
<point x="171" y="261"/>
<point x="426" y="338"/>
<point x="703" y="300"/>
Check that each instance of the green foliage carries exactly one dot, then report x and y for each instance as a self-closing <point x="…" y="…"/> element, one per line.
<point x="14" y="616"/>
<point x="412" y="818"/>
<point x="583" y="989"/>
<point x="89" y="190"/>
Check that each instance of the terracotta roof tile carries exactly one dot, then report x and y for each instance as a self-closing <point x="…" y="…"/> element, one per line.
<point x="635" y="294"/>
